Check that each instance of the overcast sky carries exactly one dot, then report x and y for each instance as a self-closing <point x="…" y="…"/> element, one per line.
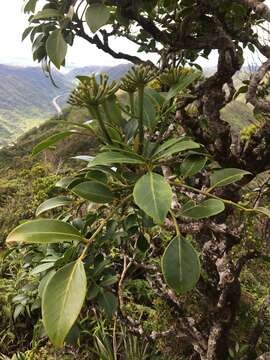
<point x="13" y="51"/>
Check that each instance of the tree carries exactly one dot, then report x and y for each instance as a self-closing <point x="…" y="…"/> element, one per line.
<point x="165" y="184"/>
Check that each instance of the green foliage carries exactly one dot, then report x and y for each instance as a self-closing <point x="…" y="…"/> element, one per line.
<point x="147" y="183"/>
<point x="192" y="165"/>
<point x="137" y="189"/>
<point x="154" y="196"/>
<point x="225" y="177"/>
<point x="62" y="300"/>
<point x="104" y="248"/>
<point x="56" y="47"/>
<point x="44" y="231"/>
<point x="52" y="204"/>
<point x="202" y="210"/>
<point x="97" y="15"/>
<point x="180" y="265"/>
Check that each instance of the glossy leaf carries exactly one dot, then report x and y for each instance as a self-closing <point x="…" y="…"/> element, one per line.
<point x="155" y="96"/>
<point x="183" y="83"/>
<point x="114" y="111"/>
<point x="149" y="111"/>
<point x="45" y="144"/>
<point x="94" y="191"/>
<point x="180" y="265"/>
<point x="228" y="176"/>
<point x="29" y="6"/>
<point x="47" y="14"/>
<point x="44" y="231"/>
<point x="97" y="175"/>
<point x="44" y="281"/>
<point x="56" y="47"/>
<point x="42" y="267"/>
<point x="204" y="209"/>
<point x="85" y="158"/>
<point x="52" y="204"/>
<point x="69" y="182"/>
<point x="153" y="195"/>
<point x="167" y="144"/>
<point x="192" y="165"/>
<point x="97" y="15"/>
<point x="180" y="146"/>
<point x="142" y="243"/>
<point x="115" y="157"/>
<point x="62" y="301"/>
<point x="108" y="301"/>
<point x="27" y="32"/>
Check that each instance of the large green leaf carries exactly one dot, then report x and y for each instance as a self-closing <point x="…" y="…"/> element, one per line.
<point x="204" y="209"/>
<point x="97" y="175"/>
<point x="42" y="267"/>
<point x="108" y="301"/>
<point x="149" y="111"/>
<point x="62" y="301"/>
<point x="228" y="176"/>
<point x="180" y="146"/>
<point x="45" y="144"/>
<point x="47" y="14"/>
<point x="44" y="231"/>
<point x="180" y="265"/>
<point x="44" y="281"/>
<point x="52" y="204"/>
<point x="97" y="15"/>
<point x="29" y="6"/>
<point x="155" y="96"/>
<point x="167" y="144"/>
<point x="192" y="165"/>
<point x="94" y="191"/>
<point x="27" y="32"/>
<point x="114" y="111"/>
<point x="69" y="182"/>
<point x="153" y="195"/>
<point x="116" y="157"/>
<point x="184" y="82"/>
<point x="56" y="48"/>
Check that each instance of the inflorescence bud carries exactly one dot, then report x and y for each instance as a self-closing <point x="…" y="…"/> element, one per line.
<point x="138" y="76"/>
<point x="90" y="92"/>
<point x="172" y="76"/>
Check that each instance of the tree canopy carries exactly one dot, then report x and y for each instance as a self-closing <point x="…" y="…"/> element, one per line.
<point x="169" y="180"/>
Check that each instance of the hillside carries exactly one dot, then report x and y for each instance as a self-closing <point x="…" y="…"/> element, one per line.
<point x="26" y="95"/>
<point x="26" y="99"/>
<point x="27" y="180"/>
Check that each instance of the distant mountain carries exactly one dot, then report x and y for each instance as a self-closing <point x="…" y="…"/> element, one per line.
<point x="26" y="99"/>
<point x="115" y="72"/>
<point x="26" y="95"/>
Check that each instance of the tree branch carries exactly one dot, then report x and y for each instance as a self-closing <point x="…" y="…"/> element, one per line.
<point x="251" y="95"/>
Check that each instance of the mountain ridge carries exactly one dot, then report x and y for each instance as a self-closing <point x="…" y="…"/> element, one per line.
<point x="26" y="95"/>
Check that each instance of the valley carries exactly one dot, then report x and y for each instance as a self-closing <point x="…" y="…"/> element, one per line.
<point x="27" y="95"/>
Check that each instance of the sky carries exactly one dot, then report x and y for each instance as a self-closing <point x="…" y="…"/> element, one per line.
<point x="15" y="52"/>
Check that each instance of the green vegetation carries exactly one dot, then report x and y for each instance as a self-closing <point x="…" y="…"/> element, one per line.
<point x="148" y="243"/>
<point x="26" y="96"/>
<point x="31" y="180"/>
